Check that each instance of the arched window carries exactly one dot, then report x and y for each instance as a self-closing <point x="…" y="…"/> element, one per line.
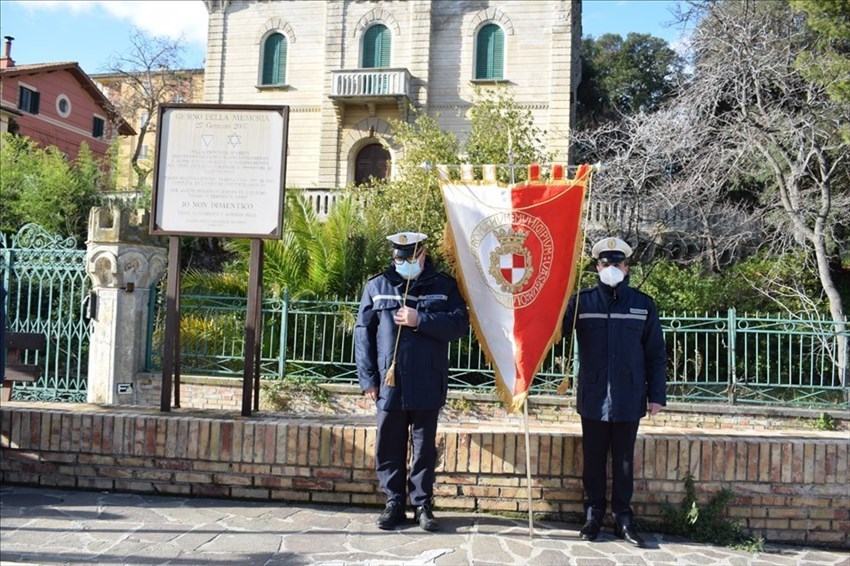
<point x="373" y="161"/>
<point x="376" y="47"/>
<point x="274" y="60"/>
<point x="490" y="53"/>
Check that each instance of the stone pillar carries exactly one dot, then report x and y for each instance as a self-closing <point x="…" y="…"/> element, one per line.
<point x="124" y="264"/>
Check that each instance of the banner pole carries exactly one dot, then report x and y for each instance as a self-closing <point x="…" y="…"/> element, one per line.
<point x="528" y="470"/>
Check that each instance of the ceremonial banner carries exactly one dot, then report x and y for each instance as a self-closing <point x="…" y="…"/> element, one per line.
<point x="515" y="251"/>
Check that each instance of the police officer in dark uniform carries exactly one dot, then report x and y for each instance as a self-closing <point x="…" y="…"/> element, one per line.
<point x="622" y="366"/>
<point x="407" y="317"/>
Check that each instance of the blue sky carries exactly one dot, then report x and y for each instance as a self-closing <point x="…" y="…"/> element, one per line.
<point x="90" y="32"/>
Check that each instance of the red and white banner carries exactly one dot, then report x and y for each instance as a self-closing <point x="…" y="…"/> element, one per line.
<point x="515" y="251"/>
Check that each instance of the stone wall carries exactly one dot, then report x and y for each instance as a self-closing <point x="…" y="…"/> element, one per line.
<point x="789" y="486"/>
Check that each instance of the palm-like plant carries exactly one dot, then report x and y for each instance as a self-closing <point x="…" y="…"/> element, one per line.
<point x="343" y="250"/>
<point x="313" y="259"/>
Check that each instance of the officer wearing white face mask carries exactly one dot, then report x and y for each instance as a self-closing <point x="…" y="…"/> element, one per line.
<point x="621" y="378"/>
<point x="408" y="315"/>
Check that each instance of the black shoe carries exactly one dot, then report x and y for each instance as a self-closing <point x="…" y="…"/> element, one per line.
<point x="628" y="533"/>
<point x="590" y="530"/>
<point x="392" y="516"/>
<point x="425" y="517"/>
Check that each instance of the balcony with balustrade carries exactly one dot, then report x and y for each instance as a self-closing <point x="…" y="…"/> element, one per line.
<point x="371" y="86"/>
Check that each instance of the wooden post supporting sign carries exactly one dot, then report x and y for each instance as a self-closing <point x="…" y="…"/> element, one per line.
<point x="220" y="171"/>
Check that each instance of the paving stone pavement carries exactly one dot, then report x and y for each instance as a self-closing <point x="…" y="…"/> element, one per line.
<point x="53" y="526"/>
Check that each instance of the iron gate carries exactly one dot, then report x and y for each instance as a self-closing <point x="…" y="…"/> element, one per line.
<point x="48" y="292"/>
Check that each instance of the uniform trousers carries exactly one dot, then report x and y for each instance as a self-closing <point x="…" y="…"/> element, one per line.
<point x="599" y="438"/>
<point x="395" y="430"/>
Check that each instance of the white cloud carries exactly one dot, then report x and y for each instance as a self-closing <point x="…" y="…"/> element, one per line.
<point x="157" y="18"/>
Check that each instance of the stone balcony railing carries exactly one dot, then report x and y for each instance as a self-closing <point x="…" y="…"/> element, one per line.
<point x="370" y="83"/>
<point x="321" y="200"/>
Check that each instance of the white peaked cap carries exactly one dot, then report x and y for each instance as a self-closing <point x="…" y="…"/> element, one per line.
<point x="611" y="244"/>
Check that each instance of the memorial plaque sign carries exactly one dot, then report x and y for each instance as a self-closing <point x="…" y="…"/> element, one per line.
<point x="220" y="170"/>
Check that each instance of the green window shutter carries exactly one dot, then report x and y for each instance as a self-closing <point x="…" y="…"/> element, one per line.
<point x="377" y="44"/>
<point x="274" y="60"/>
<point x="498" y="53"/>
<point x="386" y="42"/>
<point x="490" y="53"/>
<point x="368" y="51"/>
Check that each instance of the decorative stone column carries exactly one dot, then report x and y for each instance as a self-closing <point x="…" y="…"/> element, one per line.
<point x="124" y="264"/>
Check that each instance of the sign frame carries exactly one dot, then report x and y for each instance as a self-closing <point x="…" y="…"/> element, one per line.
<point x="275" y="182"/>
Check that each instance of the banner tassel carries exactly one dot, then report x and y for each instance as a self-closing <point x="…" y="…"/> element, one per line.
<point x="389" y="379"/>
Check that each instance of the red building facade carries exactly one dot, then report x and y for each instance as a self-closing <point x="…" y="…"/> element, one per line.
<point x="59" y="105"/>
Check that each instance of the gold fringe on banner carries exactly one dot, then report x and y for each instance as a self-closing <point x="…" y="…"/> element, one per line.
<point x="511" y="402"/>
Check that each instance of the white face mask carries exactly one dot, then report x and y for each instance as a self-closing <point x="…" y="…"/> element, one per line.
<point x="409" y="270"/>
<point x="611" y="276"/>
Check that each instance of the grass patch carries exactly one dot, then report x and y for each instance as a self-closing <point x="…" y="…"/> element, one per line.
<point x="280" y="393"/>
<point x="707" y="523"/>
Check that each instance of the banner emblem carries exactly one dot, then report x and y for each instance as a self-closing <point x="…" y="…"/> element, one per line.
<point x="502" y="246"/>
<point x="510" y="263"/>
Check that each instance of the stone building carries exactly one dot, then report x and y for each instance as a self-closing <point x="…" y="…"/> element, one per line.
<point x="347" y="67"/>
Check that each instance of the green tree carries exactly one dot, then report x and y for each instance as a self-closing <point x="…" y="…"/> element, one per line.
<point x="16" y="172"/>
<point x="624" y="76"/>
<point x="40" y="185"/>
<point x="502" y="131"/>
<point x="828" y="62"/>
<point x="340" y="252"/>
<point x="761" y="283"/>
<point x="412" y="201"/>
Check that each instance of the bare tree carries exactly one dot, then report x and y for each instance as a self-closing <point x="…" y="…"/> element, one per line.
<point x="749" y="152"/>
<point x="150" y="74"/>
<point x="748" y="90"/>
<point x="664" y="185"/>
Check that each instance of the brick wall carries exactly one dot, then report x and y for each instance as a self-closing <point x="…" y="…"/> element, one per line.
<point x="198" y="392"/>
<point x="791" y="487"/>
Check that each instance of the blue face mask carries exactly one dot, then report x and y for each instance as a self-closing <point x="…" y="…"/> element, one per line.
<point x="408" y="270"/>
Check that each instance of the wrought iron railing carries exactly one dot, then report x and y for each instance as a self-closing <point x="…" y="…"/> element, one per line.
<point x="755" y="359"/>
<point x="48" y="293"/>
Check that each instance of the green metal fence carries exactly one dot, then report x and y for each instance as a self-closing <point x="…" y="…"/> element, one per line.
<point x="48" y="291"/>
<point x="755" y="359"/>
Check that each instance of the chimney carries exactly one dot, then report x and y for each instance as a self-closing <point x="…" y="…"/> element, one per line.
<point x="6" y="60"/>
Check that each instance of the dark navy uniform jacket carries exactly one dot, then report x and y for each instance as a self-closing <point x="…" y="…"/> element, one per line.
<point x="622" y="357"/>
<point x="422" y="365"/>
